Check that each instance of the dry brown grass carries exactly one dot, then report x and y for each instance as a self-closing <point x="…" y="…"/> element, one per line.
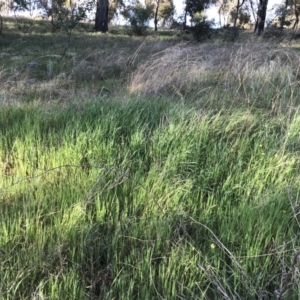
<point x="116" y="61"/>
<point x="92" y="66"/>
<point x="192" y="68"/>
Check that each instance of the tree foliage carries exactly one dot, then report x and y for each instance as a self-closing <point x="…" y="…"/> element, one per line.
<point x="192" y="7"/>
<point x="138" y="15"/>
<point x="166" y="12"/>
<point x="238" y="14"/>
<point x="67" y="14"/>
<point x="64" y="14"/>
<point x="288" y="14"/>
<point x="196" y="6"/>
<point x="240" y="17"/>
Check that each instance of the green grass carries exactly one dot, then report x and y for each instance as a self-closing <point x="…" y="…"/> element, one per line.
<point x="112" y="195"/>
<point x="107" y="200"/>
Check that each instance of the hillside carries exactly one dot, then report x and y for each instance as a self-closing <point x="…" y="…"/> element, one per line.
<point x="147" y="167"/>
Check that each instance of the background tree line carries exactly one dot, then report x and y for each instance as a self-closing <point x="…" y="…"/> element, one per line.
<point x="138" y="13"/>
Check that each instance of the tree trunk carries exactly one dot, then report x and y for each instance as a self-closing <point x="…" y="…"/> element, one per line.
<point x="296" y="12"/>
<point x="261" y="17"/>
<point x="253" y="11"/>
<point x="184" y="17"/>
<point x="282" y="21"/>
<point x="295" y="26"/>
<point x="238" y="6"/>
<point x="156" y="14"/>
<point x="101" y="20"/>
<point x="220" y="20"/>
<point x="236" y="13"/>
<point x="1" y="24"/>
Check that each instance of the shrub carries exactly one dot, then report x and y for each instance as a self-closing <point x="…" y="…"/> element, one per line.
<point x="202" y="29"/>
<point x="139" y="16"/>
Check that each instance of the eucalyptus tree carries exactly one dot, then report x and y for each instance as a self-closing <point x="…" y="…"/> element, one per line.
<point x="282" y="12"/>
<point x="294" y="12"/>
<point x="193" y="7"/>
<point x="243" y="9"/>
<point x="163" y="10"/>
<point x="224" y="9"/>
<point x="139" y="15"/>
<point x="101" y="19"/>
<point x="238" y="6"/>
<point x="236" y="12"/>
<point x="288" y="14"/>
<point x="261" y="17"/>
<point x="105" y="12"/>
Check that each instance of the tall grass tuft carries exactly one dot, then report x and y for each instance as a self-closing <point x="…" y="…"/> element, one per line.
<point x="257" y="74"/>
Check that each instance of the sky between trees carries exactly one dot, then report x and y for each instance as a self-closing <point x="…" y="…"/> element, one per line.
<point x="212" y="12"/>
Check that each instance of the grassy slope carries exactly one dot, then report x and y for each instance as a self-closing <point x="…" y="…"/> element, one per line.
<point x="135" y="197"/>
